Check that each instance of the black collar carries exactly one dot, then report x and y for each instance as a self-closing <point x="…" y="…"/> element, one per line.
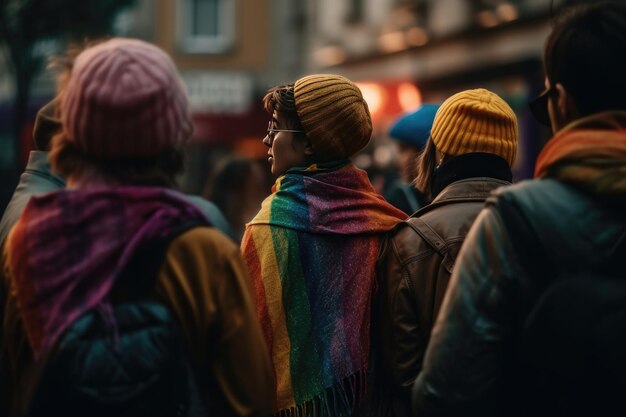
<point x="470" y="165"/>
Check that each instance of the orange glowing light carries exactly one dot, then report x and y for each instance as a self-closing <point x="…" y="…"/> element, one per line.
<point x="392" y="42"/>
<point x="487" y="19"/>
<point x="507" y="12"/>
<point x="374" y="96"/>
<point x="409" y="97"/>
<point x="417" y="36"/>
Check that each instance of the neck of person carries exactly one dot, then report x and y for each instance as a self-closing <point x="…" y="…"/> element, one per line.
<point x="91" y="178"/>
<point x="470" y="165"/>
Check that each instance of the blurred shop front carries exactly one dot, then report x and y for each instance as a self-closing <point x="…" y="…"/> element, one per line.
<point x="228" y="53"/>
<point x="516" y="82"/>
<point x="229" y="120"/>
<point x="404" y="53"/>
<point x="386" y="99"/>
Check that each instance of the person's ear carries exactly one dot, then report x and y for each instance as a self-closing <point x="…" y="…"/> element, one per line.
<point x="566" y="104"/>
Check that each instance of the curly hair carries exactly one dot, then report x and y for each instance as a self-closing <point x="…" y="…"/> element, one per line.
<point x="282" y="100"/>
<point x="160" y="170"/>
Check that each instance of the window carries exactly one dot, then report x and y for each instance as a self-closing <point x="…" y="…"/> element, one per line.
<point x="206" y="26"/>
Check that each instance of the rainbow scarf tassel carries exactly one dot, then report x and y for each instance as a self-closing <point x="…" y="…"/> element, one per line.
<point x="311" y="254"/>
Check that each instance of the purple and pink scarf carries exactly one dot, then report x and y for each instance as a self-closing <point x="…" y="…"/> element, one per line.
<point x="68" y="248"/>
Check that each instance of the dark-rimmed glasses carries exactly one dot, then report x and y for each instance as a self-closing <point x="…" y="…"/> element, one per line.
<point x="271" y="132"/>
<point x="539" y="107"/>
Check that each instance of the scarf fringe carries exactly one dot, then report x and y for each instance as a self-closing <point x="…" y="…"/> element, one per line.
<point x="340" y="400"/>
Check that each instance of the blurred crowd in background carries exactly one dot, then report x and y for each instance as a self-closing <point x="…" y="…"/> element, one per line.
<point x="401" y="53"/>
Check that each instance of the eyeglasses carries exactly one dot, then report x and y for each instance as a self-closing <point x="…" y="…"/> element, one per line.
<point x="539" y="107"/>
<point x="271" y="132"/>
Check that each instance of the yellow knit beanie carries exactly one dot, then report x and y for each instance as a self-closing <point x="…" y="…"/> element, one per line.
<point x="476" y="121"/>
<point x="333" y="114"/>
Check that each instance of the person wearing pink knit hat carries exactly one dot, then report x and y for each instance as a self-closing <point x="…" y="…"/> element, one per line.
<point x="118" y="294"/>
<point x="125" y="99"/>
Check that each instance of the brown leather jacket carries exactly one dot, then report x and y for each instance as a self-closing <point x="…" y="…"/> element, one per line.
<point x="415" y="266"/>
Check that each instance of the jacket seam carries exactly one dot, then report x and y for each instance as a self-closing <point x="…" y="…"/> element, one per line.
<point x="421" y="255"/>
<point x="483" y="194"/>
<point x="405" y="271"/>
<point x="426" y="252"/>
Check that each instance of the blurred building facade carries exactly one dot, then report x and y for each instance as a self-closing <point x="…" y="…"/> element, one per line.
<point x="401" y="52"/>
<point x="229" y="52"/>
<point x="404" y="52"/>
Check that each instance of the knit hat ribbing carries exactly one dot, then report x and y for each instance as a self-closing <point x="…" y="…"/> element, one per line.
<point x="476" y="121"/>
<point x="333" y="114"/>
<point x="125" y="99"/>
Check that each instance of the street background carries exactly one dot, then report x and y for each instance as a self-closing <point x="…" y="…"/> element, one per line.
<point x="401" y="53"/>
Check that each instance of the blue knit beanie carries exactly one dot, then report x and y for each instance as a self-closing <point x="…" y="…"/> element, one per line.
<point x="413" y="128"/>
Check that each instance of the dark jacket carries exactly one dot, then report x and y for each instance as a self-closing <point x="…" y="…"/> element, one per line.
<point x="418" y="261"/>
<point x="405" y="197"/>
<point x="556" y="247"/>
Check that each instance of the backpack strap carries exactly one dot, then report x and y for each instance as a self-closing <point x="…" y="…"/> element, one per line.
<point x="433" y="239"/>
<point x="133" y="288"/>
<point x="140" y="276"/>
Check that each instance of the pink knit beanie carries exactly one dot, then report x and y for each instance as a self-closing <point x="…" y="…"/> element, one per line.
<point x="125" y="99"/>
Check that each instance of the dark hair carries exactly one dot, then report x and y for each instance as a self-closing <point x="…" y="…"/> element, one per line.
<point x="160" y="170"/>
<point x="228" y="187"/>
<point x="229" y="177"/>
<point x="427" y="162"/>
<point x="586" y="53"/>
<point x="282" y="100"/>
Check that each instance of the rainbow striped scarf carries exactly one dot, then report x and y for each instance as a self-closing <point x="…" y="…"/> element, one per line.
<point x="311" y="253"/>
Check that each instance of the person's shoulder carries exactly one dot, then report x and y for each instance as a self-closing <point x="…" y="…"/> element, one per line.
<point x="534" y="194"/>
<point x="547" y="207"/>
<point x="205" y="239"/>
<point x="407" y="242"/>
<point x="528" y="186"/>
<point x="211" y="212"/>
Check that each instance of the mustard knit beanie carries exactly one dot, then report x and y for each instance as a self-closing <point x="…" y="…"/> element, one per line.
<point x="333" y="114"/>
<point x="476" y="121"/>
